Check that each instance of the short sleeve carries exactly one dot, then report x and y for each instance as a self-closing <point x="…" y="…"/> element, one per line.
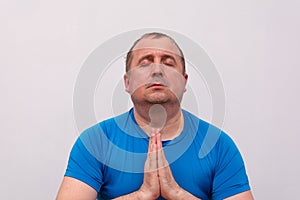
<point x="83" y="166"/>
<point x="230" y="173"/>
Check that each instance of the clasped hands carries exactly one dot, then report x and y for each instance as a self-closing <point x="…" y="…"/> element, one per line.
<point x="158" y="178"/>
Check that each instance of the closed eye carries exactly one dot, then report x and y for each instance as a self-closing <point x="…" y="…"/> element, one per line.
<point x="145" y="63"/>
<point x="169" y="60"/>
<point x="145" y="60"/>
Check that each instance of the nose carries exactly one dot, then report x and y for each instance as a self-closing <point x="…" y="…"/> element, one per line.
<point x="156" y="70"/>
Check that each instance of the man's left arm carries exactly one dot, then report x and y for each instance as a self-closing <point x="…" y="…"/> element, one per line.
<point x="230" y="179"/>
<point x="242" y="196"/>
<point x="169" y="187"/>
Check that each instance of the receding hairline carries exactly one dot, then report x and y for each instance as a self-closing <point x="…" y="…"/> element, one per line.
<point x="152" y="35"/>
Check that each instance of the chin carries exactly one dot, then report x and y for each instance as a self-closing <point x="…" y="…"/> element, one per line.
<point x="156" y="101"/>
<point x="157" y="98"/>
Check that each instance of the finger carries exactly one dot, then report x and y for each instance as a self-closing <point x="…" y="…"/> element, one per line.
<point x="158" y="141"/>
<point x="151" y="162"/>
<point x="155" y="136"/>
<point x="161" y="159"/>
<point x="154" y="131"/>
<point x="150" y="143"/>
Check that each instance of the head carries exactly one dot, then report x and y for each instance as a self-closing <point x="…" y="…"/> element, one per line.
<point x="155" y="70"/>
<point x="153" y="35"/>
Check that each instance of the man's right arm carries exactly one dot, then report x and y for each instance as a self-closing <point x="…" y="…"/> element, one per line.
<point x="73" y="189"/>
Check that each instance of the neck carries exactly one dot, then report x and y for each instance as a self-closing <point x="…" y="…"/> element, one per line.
<point x="173" y="125"/>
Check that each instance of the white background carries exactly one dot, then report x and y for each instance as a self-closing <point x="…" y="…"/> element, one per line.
<point x="255" y="46"/>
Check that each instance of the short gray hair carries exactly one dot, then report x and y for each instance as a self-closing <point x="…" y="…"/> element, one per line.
<point x="153" y="35"/>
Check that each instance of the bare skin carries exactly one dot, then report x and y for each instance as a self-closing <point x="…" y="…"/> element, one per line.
<point x="160" y="181"/>
<point x="158" y="178"/>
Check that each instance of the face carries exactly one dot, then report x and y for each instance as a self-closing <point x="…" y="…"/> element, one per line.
<point x="156" y="72"/>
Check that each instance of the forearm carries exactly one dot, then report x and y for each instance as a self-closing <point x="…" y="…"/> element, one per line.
<point x="134" y="196"/>
<point x="137" y="195"/>
<point x="183" y="194"/>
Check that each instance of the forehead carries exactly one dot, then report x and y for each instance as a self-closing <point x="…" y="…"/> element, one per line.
<point x="162" y="44"/>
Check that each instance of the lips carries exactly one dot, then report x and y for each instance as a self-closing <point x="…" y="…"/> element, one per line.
<point x="158" y="82"/>
<point x="155" y="85"/>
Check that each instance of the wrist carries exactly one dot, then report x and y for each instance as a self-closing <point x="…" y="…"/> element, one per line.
<point x="139" y="195"/>
<point x="143" y="195"/>
<point x="173" y="193"/>
<point x="179" y="193"/>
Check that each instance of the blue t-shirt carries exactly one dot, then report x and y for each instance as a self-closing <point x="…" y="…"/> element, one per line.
<point x="110" y="157"/>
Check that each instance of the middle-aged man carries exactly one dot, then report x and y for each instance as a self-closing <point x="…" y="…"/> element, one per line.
<point x="152" y="151"/>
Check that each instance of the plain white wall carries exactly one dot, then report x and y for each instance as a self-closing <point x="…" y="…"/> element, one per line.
<point x="255" y="46"/>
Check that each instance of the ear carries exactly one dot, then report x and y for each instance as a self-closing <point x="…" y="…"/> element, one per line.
<point x="126" y="82"/>
<point x="186" y="76"/>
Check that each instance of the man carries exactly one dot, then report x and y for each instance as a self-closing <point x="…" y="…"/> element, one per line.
<point x="152" y="151"/>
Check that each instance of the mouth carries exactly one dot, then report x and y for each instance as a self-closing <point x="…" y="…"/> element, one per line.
<point x="155" y="85"/>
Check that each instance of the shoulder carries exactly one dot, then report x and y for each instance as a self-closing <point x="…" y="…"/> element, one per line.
<point x="211" y="137"/>
<point x="117" y="122"/>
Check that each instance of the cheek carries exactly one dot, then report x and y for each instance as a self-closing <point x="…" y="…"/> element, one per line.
<point x="176" y="79"/>
<point x="177" y="86"/>
<point x="137" y="79"/>
<point x="138" y="94"/>
<point x="136" y="84"/>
